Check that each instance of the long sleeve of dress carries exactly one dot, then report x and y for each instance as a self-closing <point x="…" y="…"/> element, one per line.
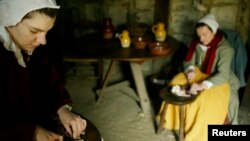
<point x="222" y="65"/>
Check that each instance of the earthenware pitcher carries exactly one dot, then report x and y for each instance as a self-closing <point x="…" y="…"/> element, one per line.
<point x="159" y="31"/>
<point x="125" y="39"/>
<point x="108" y="29"/>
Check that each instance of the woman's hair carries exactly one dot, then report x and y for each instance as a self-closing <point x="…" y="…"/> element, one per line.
<point x="202" y="24"/>
<point x="51" y="12"/>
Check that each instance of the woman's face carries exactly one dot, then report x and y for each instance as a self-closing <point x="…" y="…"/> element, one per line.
<point x="31" y="32"/>
<point x="205" y="34"/>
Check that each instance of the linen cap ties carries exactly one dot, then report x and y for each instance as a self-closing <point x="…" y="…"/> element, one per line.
<point x="12" y="11"/>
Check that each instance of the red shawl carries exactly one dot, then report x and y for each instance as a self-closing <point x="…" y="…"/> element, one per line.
<point x="210" y="55"/>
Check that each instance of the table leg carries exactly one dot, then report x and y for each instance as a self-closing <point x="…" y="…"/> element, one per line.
<point x="100" y="69"/>
<point x="106" y="78"/>
<point x="181" y="130"/>
<point x="141" y="88"/>
<point x="162" y="120"/>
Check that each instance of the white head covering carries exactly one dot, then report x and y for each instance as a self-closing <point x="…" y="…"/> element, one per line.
<point x="210" y="20"/>
<point x="12" y="11"/>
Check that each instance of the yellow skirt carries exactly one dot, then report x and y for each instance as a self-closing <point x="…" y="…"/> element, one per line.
<point x="210" y="107"/>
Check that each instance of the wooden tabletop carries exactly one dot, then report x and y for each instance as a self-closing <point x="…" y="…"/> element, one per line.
<point x="92" y="47"/>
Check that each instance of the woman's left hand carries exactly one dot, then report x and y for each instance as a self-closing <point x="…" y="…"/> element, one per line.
<point x="190" y="75"/>
<point x="73" y="123"/>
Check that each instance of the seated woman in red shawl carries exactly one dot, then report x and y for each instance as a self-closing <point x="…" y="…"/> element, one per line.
<point x="207" y="73"/>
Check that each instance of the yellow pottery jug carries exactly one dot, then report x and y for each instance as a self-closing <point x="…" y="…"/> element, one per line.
<point x="125" y="39"/>
<point x="159" y="31"/>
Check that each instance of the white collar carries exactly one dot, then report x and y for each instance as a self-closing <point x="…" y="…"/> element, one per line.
<point x="11" y="46"/>
<point x="203" y="47"/>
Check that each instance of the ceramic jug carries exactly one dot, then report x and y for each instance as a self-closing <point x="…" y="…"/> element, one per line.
<point x="159" y="31"/>
<point x="108" y="29"/>
<point x="125" y="39"/>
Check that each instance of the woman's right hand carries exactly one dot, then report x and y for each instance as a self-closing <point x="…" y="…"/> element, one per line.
<point x="196" y="88"/>
<point x="190" y="75"/>
<point x="45" y="135"/>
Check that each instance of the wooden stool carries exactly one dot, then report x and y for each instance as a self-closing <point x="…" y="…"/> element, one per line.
<point x="176" y="100"/>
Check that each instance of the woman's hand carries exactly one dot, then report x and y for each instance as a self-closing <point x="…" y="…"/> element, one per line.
<point x="195" y="88"/>
<point x="45" y="135"/>
<point x="190" y="75"/>
<point x="73" y="123"/>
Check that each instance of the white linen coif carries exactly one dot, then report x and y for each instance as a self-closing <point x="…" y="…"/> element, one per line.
<point x="12" y="11"/>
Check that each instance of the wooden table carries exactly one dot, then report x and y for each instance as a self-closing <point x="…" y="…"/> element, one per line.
<point x="135" y="57"/>
<point x="114" y="52"/>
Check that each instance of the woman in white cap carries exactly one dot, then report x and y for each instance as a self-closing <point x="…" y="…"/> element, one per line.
<point x="208" y="73"/>
<point x="31" y="90"/>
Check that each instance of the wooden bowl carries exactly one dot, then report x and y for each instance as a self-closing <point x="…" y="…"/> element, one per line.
<point x="159" y="48"/>
<point x="140" y="42"/>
